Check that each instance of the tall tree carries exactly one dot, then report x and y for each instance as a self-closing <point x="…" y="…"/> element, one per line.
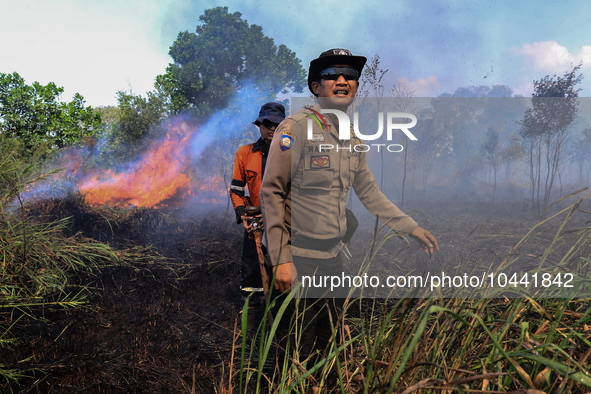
<point x="582" y="155"/>
<point x="223" y="55"/>
<point x="491" y="152"/>
<point x="434" y="145"/>
<point x="371" y="90"/>
<point x="34" y="116"/>
<point x="510" y="154"/>
<point x="404" y="101"/>
<point x="544" y="130"/>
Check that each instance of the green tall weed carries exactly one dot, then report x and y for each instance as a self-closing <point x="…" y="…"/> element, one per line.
<point x="502" y="340"/>
<point x="36" y="259"/>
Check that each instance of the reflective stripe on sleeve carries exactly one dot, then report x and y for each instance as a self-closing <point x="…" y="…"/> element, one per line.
<point x="238" y="187"/>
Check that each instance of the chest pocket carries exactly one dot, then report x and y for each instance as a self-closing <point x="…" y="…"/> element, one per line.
<point x="250" y="174"/>
<point x="252" y="170"/>
<point x="318" y="171"/>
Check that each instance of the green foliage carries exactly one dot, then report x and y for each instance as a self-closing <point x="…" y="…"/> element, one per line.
<point x="511" y="154"/>
<point x="548" y="117"/>
<point x="545" y="132"/>
<point x="109" y="116"/>
<point x="34" y="115"/>
<point x="223" y="55"/>
<point x="468" y="118"/>
<point x="484" y="91"/>
<point x="456" y="131"/>
<point x="126" y="127"/>
<point x="137" y="115"/>
<point x="559" y="86"/>
<point x="490" y="146"/>
<point x="35" y="255"/>
<point x="456" y="122"/>
<point x="490" y="149"/>
<point x="37" y="259"/>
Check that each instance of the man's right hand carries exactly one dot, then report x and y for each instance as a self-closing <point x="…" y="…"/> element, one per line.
<point x="427" y="242"/>
<point x="286" y="276"/>
<point x="246" y="219"/>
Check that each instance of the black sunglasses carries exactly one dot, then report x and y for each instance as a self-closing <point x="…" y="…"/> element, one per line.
<point x="333" y="73"/>
<point x="268" y="124"/>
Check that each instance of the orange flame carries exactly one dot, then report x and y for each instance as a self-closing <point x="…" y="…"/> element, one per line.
<point x="158" y="178"/>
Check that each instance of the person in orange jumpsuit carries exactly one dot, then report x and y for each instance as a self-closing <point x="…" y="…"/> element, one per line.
<point x="249" y="167"/>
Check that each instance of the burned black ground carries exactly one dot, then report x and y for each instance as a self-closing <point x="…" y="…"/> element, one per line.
<point x="150" y="326"/>
<point x="164" y="323"/>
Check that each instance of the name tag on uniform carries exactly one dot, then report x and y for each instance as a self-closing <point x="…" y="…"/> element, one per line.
<point x="318" y="137"/>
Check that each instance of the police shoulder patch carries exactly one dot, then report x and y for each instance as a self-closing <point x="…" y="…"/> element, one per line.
<point x="287" y="140"/>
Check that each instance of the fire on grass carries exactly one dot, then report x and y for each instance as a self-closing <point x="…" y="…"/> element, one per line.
<point x="164" y="175"/>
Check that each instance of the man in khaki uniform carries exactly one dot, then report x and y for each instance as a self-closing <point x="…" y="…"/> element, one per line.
<point x="305" y="188"/>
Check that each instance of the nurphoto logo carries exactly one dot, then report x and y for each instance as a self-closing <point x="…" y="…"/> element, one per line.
<point x="344" y="124"/>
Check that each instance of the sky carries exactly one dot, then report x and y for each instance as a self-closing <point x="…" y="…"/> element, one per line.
<point x="98" y="47"/>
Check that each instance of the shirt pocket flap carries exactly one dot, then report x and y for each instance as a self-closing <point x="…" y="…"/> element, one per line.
<point x="318" y="171"/>
<point x="252" y="170"/>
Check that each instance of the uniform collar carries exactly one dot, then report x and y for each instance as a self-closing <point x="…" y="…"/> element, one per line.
<point x="260" y="145"/>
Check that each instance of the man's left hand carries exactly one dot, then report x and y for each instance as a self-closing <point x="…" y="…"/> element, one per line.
<point x="427" y="242"/>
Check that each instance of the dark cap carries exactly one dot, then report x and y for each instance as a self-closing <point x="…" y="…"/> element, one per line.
<point x="273" y="111"/>
<point x="331" y="58"/>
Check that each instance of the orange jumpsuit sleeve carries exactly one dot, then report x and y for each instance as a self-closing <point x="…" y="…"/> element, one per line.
<point x="238" y="185"/>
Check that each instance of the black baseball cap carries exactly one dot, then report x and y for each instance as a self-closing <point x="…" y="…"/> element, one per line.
<point x="272" y="111"/>
<point x="331" y="58"/>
